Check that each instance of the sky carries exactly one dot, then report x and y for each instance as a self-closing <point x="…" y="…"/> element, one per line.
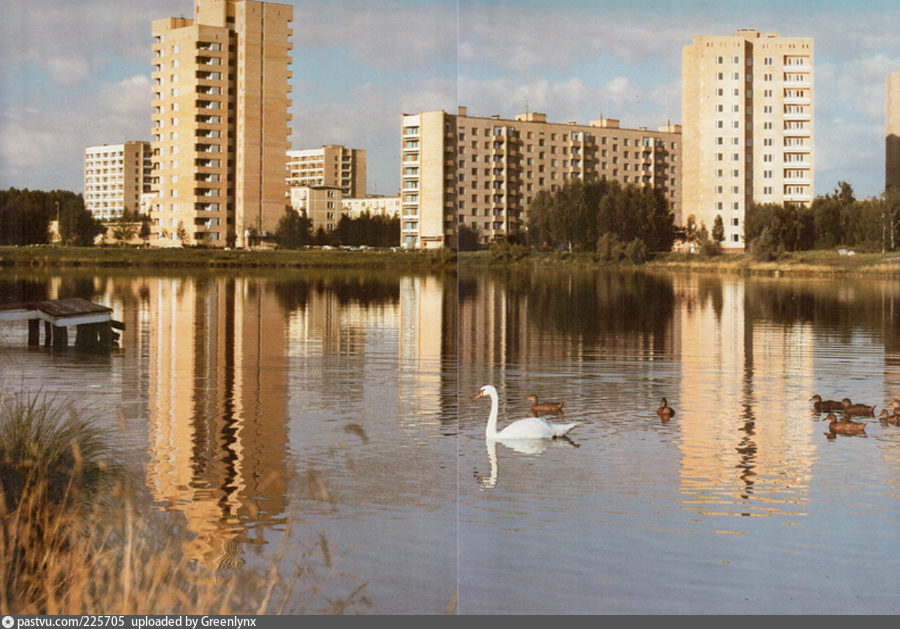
<point x="76" y="73"/>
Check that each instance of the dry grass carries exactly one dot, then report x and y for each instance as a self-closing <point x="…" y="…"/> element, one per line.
<point x="72" y="540"/>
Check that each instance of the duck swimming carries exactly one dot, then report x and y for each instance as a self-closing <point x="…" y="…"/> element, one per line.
<point x="545" y="408"/>
<point x="665" y="411"/>
<point x="861" y="410"/>
<point x="528" y="428"/>
<point x="825" y="405"/>
<point x="889" y="418"/>
<point x="844" y="426"/>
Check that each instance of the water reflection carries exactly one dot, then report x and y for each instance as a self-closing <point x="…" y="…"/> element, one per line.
<point x="347" y="397"/>
<point x="737" y="356"/>
<point x="217" y="409"/>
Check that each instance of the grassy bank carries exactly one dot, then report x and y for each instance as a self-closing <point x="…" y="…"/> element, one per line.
<point x="829" y="263"/>
<point x="804" y="263"/>
<point x="48" y="256"/>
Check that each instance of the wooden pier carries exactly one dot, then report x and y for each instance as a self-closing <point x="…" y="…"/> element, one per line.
<point x="94" y="325"/>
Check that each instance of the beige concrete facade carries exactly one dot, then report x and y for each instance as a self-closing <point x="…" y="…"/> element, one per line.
<point x="461" y="169"/>
<point x="221" y="122"/>
<point x="320" y="204"/>
<point x="115" y="177"/>
<point x="332" y="165"/>
<point x="892" y="135"/>
<point x="747" y="107"/>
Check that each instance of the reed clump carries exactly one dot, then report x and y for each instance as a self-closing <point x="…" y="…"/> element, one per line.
<point x="73" y="542"/>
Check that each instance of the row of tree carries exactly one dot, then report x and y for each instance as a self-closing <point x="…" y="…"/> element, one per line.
<point x="25" y="217"/>
<point x="585" y="215"/>
<point x="295" y="231"/>
<point x="833" y="220"/>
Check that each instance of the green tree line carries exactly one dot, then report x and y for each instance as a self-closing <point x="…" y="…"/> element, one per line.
<point x="295" y="231"/>
<point x="836" y="220"/>
<point x="595" y="215"/>
<point x="25" y="217"/>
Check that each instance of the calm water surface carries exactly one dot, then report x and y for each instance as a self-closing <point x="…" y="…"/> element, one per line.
<point x="331" y="415"/>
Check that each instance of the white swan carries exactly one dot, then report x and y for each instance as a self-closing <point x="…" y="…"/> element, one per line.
<point x="528" y="428"/>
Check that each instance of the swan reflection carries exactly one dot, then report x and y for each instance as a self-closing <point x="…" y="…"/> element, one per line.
<point x="522" y="446"/>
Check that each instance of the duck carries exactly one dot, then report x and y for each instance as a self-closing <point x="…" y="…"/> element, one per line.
<point x="528" y="428"/>
<point x="665" y="411"/>
<point x="862" y="410"/>
<point x="889" y="418"/>
<point x="844" y="426"/>
<point x="545" y="408"/>
<point x="825" y="405"/>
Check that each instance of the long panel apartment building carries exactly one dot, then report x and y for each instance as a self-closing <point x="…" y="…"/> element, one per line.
<point x="747" y="107"/>
<point x="221" y="122"/>
<point x="115" y="177"/>
<point x="484" y="172"/>
<point x="332" y="165"/>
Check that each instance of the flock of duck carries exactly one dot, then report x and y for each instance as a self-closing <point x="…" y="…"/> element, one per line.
<point x="536" y="427"/>
<point x="845" y="425"/>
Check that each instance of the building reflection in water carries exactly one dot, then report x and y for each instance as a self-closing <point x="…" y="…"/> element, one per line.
<point x="401" y="325"/>
<point x="217" y="410"/>
<point x="747" y="439"/>
<point x="744" y="378"/>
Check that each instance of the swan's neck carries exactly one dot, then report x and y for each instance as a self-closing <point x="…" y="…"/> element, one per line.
<point x="491" y="430"/>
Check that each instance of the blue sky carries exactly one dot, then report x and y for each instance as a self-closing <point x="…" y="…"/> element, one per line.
<point x="78" y="73"/>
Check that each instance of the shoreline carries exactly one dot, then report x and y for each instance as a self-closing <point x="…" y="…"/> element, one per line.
<point x="48" y="256"/>
<point x="823" y="263"/>
<point x="816" y="263"/>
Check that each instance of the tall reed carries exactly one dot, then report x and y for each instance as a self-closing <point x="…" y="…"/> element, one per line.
<point x="73" y="541"/>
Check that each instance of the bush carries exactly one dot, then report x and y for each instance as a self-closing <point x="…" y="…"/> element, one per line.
<point x="610" y="248"/>
<point x="636" y="251"/>
<point x="503" y="251"/>
<point x="765" y="247"/>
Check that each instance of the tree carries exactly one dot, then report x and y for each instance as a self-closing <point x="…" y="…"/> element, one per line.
<point x="468" y="238"/>
<point x="144" y="232"/>
<point x="293" y="230"/>
<point x="580" y="213"/>
<point x="77" y="226"/>
<point x="718" y="230"/>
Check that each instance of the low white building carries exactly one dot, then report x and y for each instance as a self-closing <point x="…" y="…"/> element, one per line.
<point x="373" y="205"/>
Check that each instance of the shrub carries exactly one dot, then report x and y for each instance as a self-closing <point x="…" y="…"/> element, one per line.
<point x="765" y="247"/>
<point x="610" y="248"/>
<point x="504" y="251"/>
<point x="636" y="251"/>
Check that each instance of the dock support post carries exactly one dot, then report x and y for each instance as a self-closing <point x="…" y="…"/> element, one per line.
<point x="48" y="334"/>
<point x="34" y="332"/>
<point x="60" y="337"/>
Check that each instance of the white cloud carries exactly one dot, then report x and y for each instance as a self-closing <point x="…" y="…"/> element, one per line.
<point x="71" y="39"/>
<point x="68" y="70"/>
<point x="43" y="148"/>
<point x="379" y="34"/>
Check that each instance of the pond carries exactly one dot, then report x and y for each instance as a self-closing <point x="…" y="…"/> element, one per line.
<point x="330" y="413"/>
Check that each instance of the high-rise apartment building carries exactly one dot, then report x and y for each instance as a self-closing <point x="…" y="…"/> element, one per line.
<point x="747" y="108"/>
<point x="115" y="177"/>
<point x="484" y="172"/>
<point x="892" y="134"/>
<point x="221" y="122"/>
<point x="332" y="165"/>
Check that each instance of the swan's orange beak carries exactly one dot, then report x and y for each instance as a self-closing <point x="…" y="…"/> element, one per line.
<point x="479" y="396"/>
